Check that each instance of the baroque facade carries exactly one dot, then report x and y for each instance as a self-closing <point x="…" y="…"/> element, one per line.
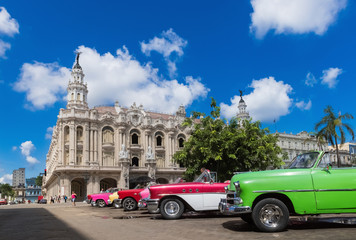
<point x="110" y="146"/>
<point x="294" y="144"/>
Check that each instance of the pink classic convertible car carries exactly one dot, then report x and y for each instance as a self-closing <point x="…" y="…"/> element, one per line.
<point x="173" y="199"/>
<point x="101" y="199"/>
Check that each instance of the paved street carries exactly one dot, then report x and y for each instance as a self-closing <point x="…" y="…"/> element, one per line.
<point x="62" y="221"/>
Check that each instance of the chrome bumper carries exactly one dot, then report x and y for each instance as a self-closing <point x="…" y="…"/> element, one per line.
<point x="152" y="204"/>
<point x="227" y="208"/>
<point x="142" y="203"/>
<point x="118" y="201"/>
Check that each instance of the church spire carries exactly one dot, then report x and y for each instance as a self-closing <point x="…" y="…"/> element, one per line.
<point x="77" y="89"/>
<point x="242" y="114"/>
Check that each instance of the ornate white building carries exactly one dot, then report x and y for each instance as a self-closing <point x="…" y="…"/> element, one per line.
<point x="294" y="144"/>
<point x="110" y="146"/>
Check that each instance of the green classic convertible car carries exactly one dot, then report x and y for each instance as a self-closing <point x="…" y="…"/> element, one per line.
<point x="310" y="185"/>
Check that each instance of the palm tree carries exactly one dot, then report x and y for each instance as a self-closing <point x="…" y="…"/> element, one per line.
<point x="332" y="128"/>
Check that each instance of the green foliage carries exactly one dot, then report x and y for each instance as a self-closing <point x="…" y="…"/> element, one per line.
<point x="227" y="148"/>
<point x="38" y="180"/>
<point x="6" y="190"/>
<point x="331" y="128"/>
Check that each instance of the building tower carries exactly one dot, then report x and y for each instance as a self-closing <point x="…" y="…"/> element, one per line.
<point x="77" y="89"/>
<point x="18" y="178"/>
<point x="242" y="114"/>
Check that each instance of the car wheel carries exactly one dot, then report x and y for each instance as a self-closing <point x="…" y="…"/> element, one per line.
<point x="247" y="218"/>
<point x="270" y="215"/>
<point x="116" y="204"/>
<point x="101" y="203"/>
<point x="171" y="208"/>
<point x="129" y="204"/>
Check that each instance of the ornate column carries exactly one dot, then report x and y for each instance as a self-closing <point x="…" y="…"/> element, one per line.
<point x="61" y="143"/>
<point x="91" y="146"/>
<point x="96" y="146"/>
<point x="124" y="161"/>
<point x="71" y="145"/>
<point x="116" y="147"/>
<point x="86" y="145"/>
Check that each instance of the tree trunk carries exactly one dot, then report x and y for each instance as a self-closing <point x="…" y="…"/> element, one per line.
<point x="337" y="154"/>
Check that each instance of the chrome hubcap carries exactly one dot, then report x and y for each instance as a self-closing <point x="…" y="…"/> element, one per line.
<point x="270" y="215"/>
<point x="171" y="208"/>
<point x="101" y="203"/>
<point x="129" y="204"/>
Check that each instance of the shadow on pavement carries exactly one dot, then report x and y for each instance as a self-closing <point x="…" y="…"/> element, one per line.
<point x="297" y="224"/>
<point x="34" y="223"/>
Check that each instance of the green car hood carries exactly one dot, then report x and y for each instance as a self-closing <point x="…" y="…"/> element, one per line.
<point x="273" y="180"/>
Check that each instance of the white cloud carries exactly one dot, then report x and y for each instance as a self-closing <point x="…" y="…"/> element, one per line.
<point x="310" y="80"/>
<point x="294" y="16"/>
<point x="329" y="77"/>
<point x="110" y="78"/>
<point x="269" y="100"/>
<point x="304" y="105"/>
<point x="43" y="83"/>
<point x="7" y="178"/>
<point x="14" y="148"/>
<point x="26" y="149"/>
<point x="168" y="45"/>
<point x="8" y="26"/>
<point x="4" y="46"/>
<point x="49" y="132"/>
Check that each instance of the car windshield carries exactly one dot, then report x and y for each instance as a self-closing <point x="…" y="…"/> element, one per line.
<point x="204" y="177"/>
<point x="305" y="160"/>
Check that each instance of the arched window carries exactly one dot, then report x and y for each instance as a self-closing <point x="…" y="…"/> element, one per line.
<point x="78" y="96"/>
<point x="79" y="134"/>
<point x="181" y="140"/>
<point x="135" y="162"/>
<point x="135" y="136"/>
<point x="108" y="135"/>
<point x="66" y="134"/>
<point x="158" y="141"/>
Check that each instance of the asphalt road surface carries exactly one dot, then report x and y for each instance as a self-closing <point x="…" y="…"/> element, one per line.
<point x="63" y="221"/>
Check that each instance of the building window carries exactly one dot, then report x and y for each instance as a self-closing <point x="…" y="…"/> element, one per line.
<point x="134" y="138"/>
<point x="158" y="141"/>
<point x="108" y="135"/>
<point x="135" y="162"/>
<point x="181" y="140"/>
<point x="79" y="134"/>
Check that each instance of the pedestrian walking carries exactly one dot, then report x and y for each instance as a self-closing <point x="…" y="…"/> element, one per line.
<point x="74" y="196"/>
<point x="65" y="198"/>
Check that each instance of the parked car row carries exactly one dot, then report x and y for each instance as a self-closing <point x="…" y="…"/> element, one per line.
<point x="310" y="185"/>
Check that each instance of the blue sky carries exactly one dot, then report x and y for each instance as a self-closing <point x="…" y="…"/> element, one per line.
<point x="290" y="58"/>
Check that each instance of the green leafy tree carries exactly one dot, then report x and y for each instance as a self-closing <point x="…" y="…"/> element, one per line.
<point x="227" y="148"/>
<point x="331" y="127"/>
<point x="38" y="180"/>
<point x="6" y="190"/>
